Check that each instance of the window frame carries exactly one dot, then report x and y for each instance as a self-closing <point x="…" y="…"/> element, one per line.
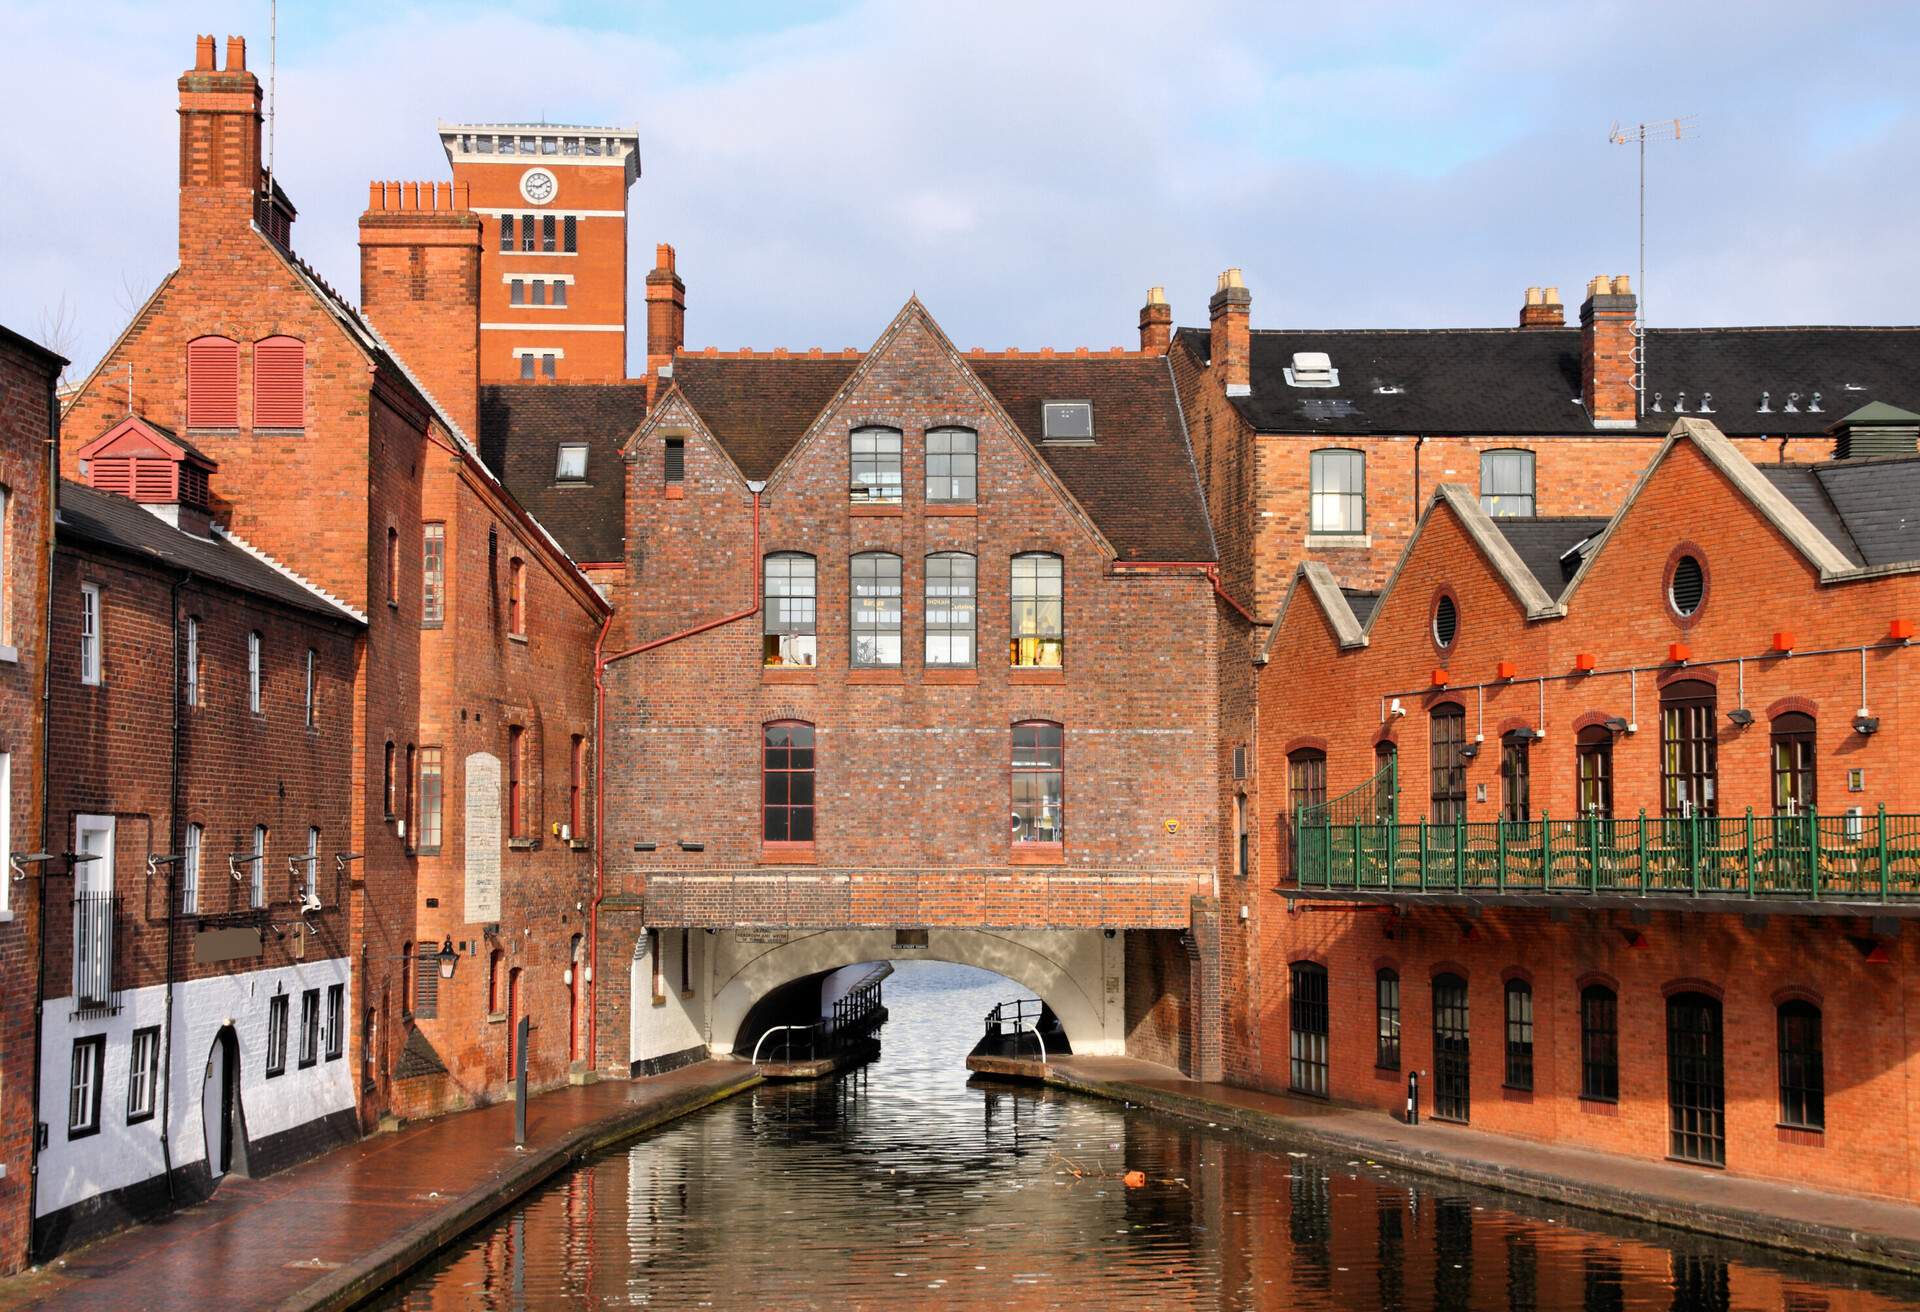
<point x="1386" y="1011"/>
<point x="256" y="661"/>
<point x="1516" y="777"/>
<point x="433" y="574"/>
<point x="213" y="403"/>
<point x="1517" y="1012"/>
<point x="1689" y="748"/>
<point x="1802" y="1065"/>
<point x="585" y="453"/>
<point x="257" y="869"/>
<point x="92" y="635"/>
<point x="1017" y="771"/>
<point x="193" y="851"/>
<point x="950" y="495"/>
<point x="312" y="861"/>
<point x="309" y="1028"/>
<point x="577" y="788"/>
<point x="939" y="567"/>
<point x="95" y="1046"/>
<point x="143" y="1078"/>
<point x="432" y="767"/>
<point x="1599" y="1043"/>
<point x="777" y="629"/>
<point x="867" y="612"/>
<point x="1593" y="772"/>
<point x="1347" y="499"/>
<point x="1032" y="628"/>
<point x="336" y="1021"/>
<point x="789" y="808"/>
<point x="1491" y="502"/>
<point x="673" y="461"/>
<point x="276" y="1055"/>
<point x="190" y="672"/>
<point x="874" y="491"/>
<point x="311" y="711"/>
<point x="516" y="781"/>
<point x="1309" y="1013"/>
<point x="1446" y="805"/>
<point x="1795" y="775"/>
<point x="6" y="564"/>
<point x="516" y="597"/>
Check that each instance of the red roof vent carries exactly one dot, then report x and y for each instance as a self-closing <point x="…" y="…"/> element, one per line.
<point x="147" y="463"/>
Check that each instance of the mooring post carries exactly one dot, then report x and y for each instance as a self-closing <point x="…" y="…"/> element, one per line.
<point x="520" y="1083"/>
<point x="1413" y="1097"/>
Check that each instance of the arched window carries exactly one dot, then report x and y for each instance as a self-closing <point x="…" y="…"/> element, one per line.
<point x="874" y="605"/>
<point x="1519" y="1034"/>
<point x="1338" y="496"/>
<point x="950" y="609"/>
<point x="1386" y="789"/>
<point x="1307" y="1042"/>
<point x="1038" y="634"/>
<point x="952" y="454"/>
<point x="496" y="981"/>
<point x="787" y="782"/>
<point x="1386" y="1002"/>
<point x="1306" y="779"/>
<point x="1803" y="1079"/>
<point x="1594" y="749"/>
<point x="1696" y="1080"/>
<point x="1794" y="789"/>
<point x="789" y="619"/>
<point x="1452" y="1064"/>
<point x="1447" y="734"/>
<point x="1506" y="482"/>
<point x="1689" y="752"/>
<point x="1516" y="784"/>
<point x="213" y="383"/>
<point x="875" y="458"/>
<point x="1599" y="1043"/>
<point x="280" y="383"/>
<point x="1039" y="782"/>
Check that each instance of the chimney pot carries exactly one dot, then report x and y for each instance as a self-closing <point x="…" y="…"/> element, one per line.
<point x="1533" y="296"/>
<point x="1542" y="309"/>
<point x="1622" y="285"/>
<point x="1552" y="296"/>
<point x="1156" y="322"/>
<point x="663" y="257"/>
<point x="203" y="54"/>
<point x="236" y="54"/>
<point x="666" y="310"/>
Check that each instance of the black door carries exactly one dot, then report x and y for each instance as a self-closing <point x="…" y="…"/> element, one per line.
<point x="1451" y="1080"/>
<point x="1696" y="1084"/>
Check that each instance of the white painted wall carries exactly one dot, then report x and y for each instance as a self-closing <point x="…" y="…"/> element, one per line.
<point x="677" y="1023"/>
<point x="122" y="1154"/>
<point x="837" y="985"/>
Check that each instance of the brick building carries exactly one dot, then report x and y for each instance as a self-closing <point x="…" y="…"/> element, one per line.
<point x="1635" y="842"/>
<point x="29" y="435"/>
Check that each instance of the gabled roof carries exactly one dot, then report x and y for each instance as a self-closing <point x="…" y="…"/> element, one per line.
<point x="523" y="426"/>
<point x="1552" y="546"/>
<point x="51" y="359"/>
<point x="136" y="435"/>
<point x="1526" y="381"/>
<point x="758" y="407"/>
<point x="105" y="520"/>
<point x="1868" y="508"/>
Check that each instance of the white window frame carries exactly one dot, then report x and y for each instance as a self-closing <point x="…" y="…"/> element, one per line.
<point x="257" y="868"/>
<point x="195" y="844"/>
<point x="254" y="645"/>
<point x="1329" y="505"/>
<point x="560" y="474"/>
<point x="193" y="660"/>
<point x="277" y="1008"/>
<point x="313" y="862"/>
<point x="142" y="1075"/>
<point x="336" y="1017"/>
<point x="313" y="657"/>
<point x="90" y="634"/>
<point x="96" y="1051"/>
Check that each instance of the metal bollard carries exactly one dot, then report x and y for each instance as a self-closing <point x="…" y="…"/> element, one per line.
<point x="1413" y="1097"/>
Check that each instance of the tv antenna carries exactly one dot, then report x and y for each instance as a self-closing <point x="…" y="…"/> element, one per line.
<point x="1667" y="129"/>
<point x="273" y="88"/>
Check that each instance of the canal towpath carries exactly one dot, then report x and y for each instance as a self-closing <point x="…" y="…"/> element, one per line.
<point x="330" y="1231"/>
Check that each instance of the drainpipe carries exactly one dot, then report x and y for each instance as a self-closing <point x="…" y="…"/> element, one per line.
<point x="46" y="797"/>
<point x="1419" y="441"/>
<point x="600" y="664"/>
<point x="1209" y="569"/>
<point x="172" y="907"/>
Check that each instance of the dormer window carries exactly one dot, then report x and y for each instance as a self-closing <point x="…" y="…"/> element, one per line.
<point x="572" y="464"/>
<point x="1066" y="421"/>
<point x="1312" y="369"/>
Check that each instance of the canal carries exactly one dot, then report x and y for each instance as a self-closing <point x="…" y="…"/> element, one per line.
<point x="901" y="1186"/>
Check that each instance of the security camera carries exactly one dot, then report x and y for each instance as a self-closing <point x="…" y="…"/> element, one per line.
<point x="309" y="902"/>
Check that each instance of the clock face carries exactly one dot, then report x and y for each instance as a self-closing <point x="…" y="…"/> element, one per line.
<point x="538" y="186"/>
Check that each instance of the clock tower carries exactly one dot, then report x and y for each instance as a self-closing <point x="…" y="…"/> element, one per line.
<point x="552" y="202"/>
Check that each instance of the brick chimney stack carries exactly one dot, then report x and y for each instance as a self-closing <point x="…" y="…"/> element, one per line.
<point x="1606" y="352"/>
<point x="420" y="286"/>
<point x="666" y="311"/>
<point x="1543" y="309"/>
<point x="1156" y="322"/>
<point x="219" y="149"/>
<point x="1232" y="341"/>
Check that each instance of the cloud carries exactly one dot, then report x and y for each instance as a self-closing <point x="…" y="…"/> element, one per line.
<point x="1030" y="170"/>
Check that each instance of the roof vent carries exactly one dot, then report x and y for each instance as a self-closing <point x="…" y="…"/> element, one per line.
<point x="1876" y="429"/>
<point x="1312" y="369"/>
<point x="1067" y="421"/>
<point x="149" y="464"/>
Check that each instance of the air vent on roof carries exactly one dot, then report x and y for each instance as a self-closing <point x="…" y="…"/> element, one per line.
<point x="1876" y="429"/>
<point x="1312" y="369"/>
<point x="1067" y="421"/>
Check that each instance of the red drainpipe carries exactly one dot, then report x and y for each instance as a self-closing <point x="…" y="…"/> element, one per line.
<point x="600" y="664"/>
<point x="1211" y="569"/>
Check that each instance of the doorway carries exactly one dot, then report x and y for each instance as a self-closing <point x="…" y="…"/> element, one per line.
<point x="1452" y="1077"/>
<point x="1696" y="1079"/>
<point x="220" y="1118"/>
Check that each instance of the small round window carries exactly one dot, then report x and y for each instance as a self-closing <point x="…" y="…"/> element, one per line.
<point x="1689" y="585"/>
<point x="1446" y="621"/>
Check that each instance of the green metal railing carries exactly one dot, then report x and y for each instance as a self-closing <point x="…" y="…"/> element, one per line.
<point x="1855" y="857"/>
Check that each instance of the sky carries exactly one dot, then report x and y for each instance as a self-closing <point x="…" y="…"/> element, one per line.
<point x="1031" y="169"/>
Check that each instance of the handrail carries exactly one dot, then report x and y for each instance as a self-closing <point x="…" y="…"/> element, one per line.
<point x="999" y="1020"/>
<point x="776" y="1029"/>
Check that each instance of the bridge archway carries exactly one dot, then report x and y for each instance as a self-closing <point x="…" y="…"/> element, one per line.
<point x="1077" y="973"/>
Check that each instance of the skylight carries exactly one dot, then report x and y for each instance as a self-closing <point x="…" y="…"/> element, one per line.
<point x="1312" y="369"/>
<point x="1067" y="421"/>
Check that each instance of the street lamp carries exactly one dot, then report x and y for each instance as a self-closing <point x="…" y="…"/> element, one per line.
<point x="447" y="958"/>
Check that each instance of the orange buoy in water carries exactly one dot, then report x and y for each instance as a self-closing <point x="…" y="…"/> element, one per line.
<point x="1134" y="1179"/>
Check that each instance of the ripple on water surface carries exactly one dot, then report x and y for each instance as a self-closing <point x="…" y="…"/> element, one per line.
<point x="901" y="1186"/>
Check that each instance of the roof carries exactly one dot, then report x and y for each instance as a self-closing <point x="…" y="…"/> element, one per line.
<point x="523" y="426"/>
<point x="1869" y="509"/>
<point x="20" y="342"/>
<point x="1361" y="602"/>
<point x="1878" y="412"/>
<point x="160" y="435"/>
<point x="1546" y="545"/>
<point x="758" y="408"/>
<point x="106" y="520"/>
<point x="1526" y="381"/>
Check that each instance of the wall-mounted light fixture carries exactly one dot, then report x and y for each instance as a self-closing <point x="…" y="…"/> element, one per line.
<point x="1866" y="725"/>
<point x="1740" y="717"/>
<point x="447" y="958"/>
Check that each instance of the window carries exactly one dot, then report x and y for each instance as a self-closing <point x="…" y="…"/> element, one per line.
<point x="1306" y="779"/>
<point x="572" y="464"/>
<point x="309" y="1027"/>
<point x="952" y="456"/>
<point x="90" y="633"/>
<point x="1039" y="799"/>
<point x="6" y="828"/>
<point x="1038" y="636"/>
<point x="1446" y="621"/>
<point x="876" y="466"/>
<point x="1515" y="783"/>
<point x="496" y="980"/>
<point x="1386" y="773"/>
<point x="1519" y="1034"/>
<point x="313" y="658"/>
<point x="433" y="574"/>
<point x="83" y="1086"/>
<point x="1452" y="1054"/>
<point x="1696" y="1080"/>
<point x="1803" y="1080"/>
<point x="336" y="1018"/>
<point x="548" y="234"/>
<point x="1594" y="746"/>
<point x="427" y="836"/>
<point x="506" y="220"/>
<point x="257" y="867"/>
<point x="1689" y="764"/>
<point x="190" y="870"/>
<point x="527" y="363"/>
<point x="577" y="788"/>
<point x="560" y="293"/>
<point x="1307" y="1045"/>
<point x="1242" y="865"/>
<point x="1688" y="587"/>
<point x="1448" y="734"/>
<point x="787" y="782"/>
<point x="280" y="383"/>
<point x="516" y="291"/>
<point x="143" y="1073"/>
<point x="387" y="793"/>
<point x="276" y="1035"/>
<point x="1386" y="1004"/>
<point x="192" y="661"/>
<point x="1599" y="1043"/>
<point x="789" y="637"/>
<point x="875" y="600"/>
<point x="950" y="609"/>
<point x="570" y="232"/>
<point x="1506" y="482"/>
<point x="1339" y="492"/>
<point x="517" y="597"/>
<point x="253" y="671"/>
<point x="213" y="383"/>
<point x="1066" y="421"/>
<point x="393" y="566"/>
<point x="527" y="232"/>
<point x="539" y="291"/>
<point x="1793" y="773"/>
<point x="423" y="980"/>
<point x="6" y="570"/>
<point x="312" y="863"/>
<point x="516" y="776"/>
<point x="674" y="464"/>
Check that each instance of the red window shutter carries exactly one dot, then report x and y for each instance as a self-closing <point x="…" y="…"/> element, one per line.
<point x="280" y="383"/>
<point x="153" y="480"/>
<point x="213" y="383"/>
<point x="112" y="475"/>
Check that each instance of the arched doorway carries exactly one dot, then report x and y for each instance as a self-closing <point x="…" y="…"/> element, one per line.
<point x="221" y="1121"/>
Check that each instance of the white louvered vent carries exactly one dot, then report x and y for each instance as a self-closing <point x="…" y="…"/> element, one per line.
<point x="1312" y="369"/>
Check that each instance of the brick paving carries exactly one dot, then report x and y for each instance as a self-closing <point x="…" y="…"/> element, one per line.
<point x="331" y="1230"/>
<point x="1868" y="1231"/>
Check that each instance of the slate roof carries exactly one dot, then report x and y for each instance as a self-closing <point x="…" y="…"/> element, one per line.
<point x="1868" y="508"/>
<point x="1361" y="602"/>
<point x="1543" y="541"/>
<point x="522" y="427"/>
<point x="759" y="408"/>
<point x="105" y="520"/>
<point x="1526" y="381"/>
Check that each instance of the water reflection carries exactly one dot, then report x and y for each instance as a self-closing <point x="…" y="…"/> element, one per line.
<point x="902" y="1186"/>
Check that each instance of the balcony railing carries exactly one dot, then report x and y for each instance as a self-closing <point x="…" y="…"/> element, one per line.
<point x="1854" y="857"/>
<point x="95" y="916"/>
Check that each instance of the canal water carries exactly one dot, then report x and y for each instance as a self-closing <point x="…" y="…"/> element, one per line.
<point x="901" y="1186"/>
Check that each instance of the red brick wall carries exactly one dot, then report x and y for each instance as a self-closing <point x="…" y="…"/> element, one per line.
<point x="420" y="286"/>
<point x="1160" y="1010"/>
